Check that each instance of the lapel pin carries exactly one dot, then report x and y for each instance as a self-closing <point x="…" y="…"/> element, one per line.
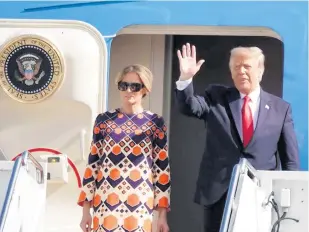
<point x="267" y="107"/>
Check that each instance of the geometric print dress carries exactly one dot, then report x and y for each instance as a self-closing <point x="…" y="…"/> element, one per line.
<point x="128" y="171"/>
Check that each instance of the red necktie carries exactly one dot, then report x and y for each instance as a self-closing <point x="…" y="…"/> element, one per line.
<point x="247" y="121"/>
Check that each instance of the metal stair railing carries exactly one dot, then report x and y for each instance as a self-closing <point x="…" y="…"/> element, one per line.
<point x="21" y="161"/>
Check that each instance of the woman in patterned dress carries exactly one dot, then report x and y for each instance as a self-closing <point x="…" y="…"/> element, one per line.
<point x="128" y="172"/>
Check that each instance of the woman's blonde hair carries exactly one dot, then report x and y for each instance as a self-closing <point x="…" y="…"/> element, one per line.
<point x="143" y="72"/>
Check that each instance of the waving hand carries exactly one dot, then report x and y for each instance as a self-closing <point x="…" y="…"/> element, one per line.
<point x="187" y="62"/>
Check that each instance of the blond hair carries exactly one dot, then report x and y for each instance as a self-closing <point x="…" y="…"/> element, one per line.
<point x="252" y="52"/>
<point x="143" y="72"/>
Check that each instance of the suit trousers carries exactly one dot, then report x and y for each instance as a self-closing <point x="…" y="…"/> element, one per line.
<point x="213" y="215"/>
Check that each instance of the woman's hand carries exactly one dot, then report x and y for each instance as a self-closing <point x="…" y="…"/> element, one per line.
<point x="86" y="221"/>
<point x="162" y="225"/>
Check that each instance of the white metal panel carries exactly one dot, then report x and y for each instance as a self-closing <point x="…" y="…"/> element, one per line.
<point x="58" y="121"/>
<point x="199" y="30"/>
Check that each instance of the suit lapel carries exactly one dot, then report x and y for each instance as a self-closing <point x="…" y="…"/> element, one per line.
<point x="263" y="112"/>
<point x="234" y="104"/>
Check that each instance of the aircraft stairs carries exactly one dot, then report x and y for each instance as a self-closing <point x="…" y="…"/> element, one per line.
<point x="266" y="201"/>
<point x="257" y="201"/>
<point x="23" y="193"/>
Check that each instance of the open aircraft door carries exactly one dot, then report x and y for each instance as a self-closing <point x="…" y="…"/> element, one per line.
<point x="53" y="84"/>
<point x="53" y="78"/>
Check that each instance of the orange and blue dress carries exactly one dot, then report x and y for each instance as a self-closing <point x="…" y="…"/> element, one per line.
<point x="128" y="172"/>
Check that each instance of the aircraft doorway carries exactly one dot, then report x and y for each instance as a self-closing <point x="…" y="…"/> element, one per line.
<point x="155" y="47"/>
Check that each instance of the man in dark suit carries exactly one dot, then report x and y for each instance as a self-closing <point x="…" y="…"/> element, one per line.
<point x="241" y="121"/>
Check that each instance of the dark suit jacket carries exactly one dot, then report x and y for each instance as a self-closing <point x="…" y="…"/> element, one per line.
<point x="220" y="109"/>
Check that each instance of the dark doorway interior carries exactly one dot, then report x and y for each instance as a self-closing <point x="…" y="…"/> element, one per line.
<point x="187" y="135"/>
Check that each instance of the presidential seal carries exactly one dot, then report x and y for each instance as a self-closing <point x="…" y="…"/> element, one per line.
<point x="31" y="68"/>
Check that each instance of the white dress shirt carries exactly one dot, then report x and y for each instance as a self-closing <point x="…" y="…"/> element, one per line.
<point x="254" y="100"/>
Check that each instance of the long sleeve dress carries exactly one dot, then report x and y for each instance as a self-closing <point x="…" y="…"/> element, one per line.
<point x="128" y="172"/>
